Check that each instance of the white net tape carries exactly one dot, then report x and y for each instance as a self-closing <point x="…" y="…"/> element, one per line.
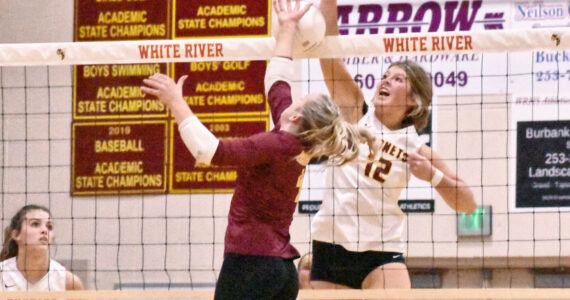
<point x="261" y="48"/>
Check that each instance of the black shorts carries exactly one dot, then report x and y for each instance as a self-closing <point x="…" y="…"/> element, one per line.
<point x="257" y="277"/>
<point x="333" y="263"/>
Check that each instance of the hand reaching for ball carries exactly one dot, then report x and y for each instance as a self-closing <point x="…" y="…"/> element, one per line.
<point x="310" y="28"/>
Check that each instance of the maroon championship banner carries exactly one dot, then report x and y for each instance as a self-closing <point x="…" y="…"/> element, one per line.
<point x="221" y="18"/>
<point x="118" y="157"/>
<point x="186" y="176"/>
<point x="108" y="20"/>
<point x="218" y="90"/>
<point x="121" y="140"/>
<point x="224" y="88"/>
<point x="113" y="155"/>
<point x="114" y="91"/>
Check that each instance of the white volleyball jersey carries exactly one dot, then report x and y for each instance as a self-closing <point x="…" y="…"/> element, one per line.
<point x="12" y="280"/>
<point x="360" y="204"/>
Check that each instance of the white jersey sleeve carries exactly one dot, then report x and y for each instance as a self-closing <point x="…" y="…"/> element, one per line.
<point x="278" y="69"/>
<point x="198" y="139"/>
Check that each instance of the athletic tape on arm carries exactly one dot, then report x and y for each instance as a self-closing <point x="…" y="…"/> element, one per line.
<point x="436" y="178"/>
<point x="198" y="139"/>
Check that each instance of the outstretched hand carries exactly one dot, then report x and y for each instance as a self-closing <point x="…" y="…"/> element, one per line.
<point x="168" y="93"/>
<point x="420" y="166"/>
<point x="288" y="12"/>
<point x="164" y="88"/>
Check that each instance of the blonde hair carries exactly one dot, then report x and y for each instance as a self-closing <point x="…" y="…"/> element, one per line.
<point x="421" y="93"/>
<point x="325" y="133"/>
<point x="10" y="247"/>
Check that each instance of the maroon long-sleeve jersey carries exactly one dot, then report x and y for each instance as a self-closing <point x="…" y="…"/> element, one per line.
<point x="268" y="181"/>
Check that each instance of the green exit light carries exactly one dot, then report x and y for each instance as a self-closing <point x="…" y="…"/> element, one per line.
<point x="476" y="224"/>
<point x="473" y="221"/>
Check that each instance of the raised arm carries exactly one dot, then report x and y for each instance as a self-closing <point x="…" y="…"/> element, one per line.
<point x="429" y="166"/>
<point x="280" y="67"/>
<point x="197" y="138"/>
<point x="342" y="88"/>
<point x="289" y="12"/>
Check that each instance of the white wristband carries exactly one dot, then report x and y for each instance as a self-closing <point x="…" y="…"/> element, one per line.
<point x="436" y="178"/>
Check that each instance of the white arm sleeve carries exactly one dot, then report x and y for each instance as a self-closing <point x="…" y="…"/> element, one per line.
<point x="198" y="139"/>
<point x="279" y="68"/>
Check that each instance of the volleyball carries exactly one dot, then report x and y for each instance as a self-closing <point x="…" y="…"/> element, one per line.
<point x="310" y="29"/>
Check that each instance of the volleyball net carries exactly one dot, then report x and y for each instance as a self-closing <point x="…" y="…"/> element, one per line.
<point x="132" y="212"/>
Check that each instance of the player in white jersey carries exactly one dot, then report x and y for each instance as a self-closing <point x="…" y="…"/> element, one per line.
<point x="358" y="233"/>
<point x="24" y="260"/>
<point x="359" y="191"/>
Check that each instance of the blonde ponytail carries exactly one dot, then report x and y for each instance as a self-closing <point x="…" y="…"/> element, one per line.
<point x="324" y="132"/>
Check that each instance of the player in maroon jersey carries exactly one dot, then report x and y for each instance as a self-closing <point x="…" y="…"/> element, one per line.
<point x="258" y="255"/>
